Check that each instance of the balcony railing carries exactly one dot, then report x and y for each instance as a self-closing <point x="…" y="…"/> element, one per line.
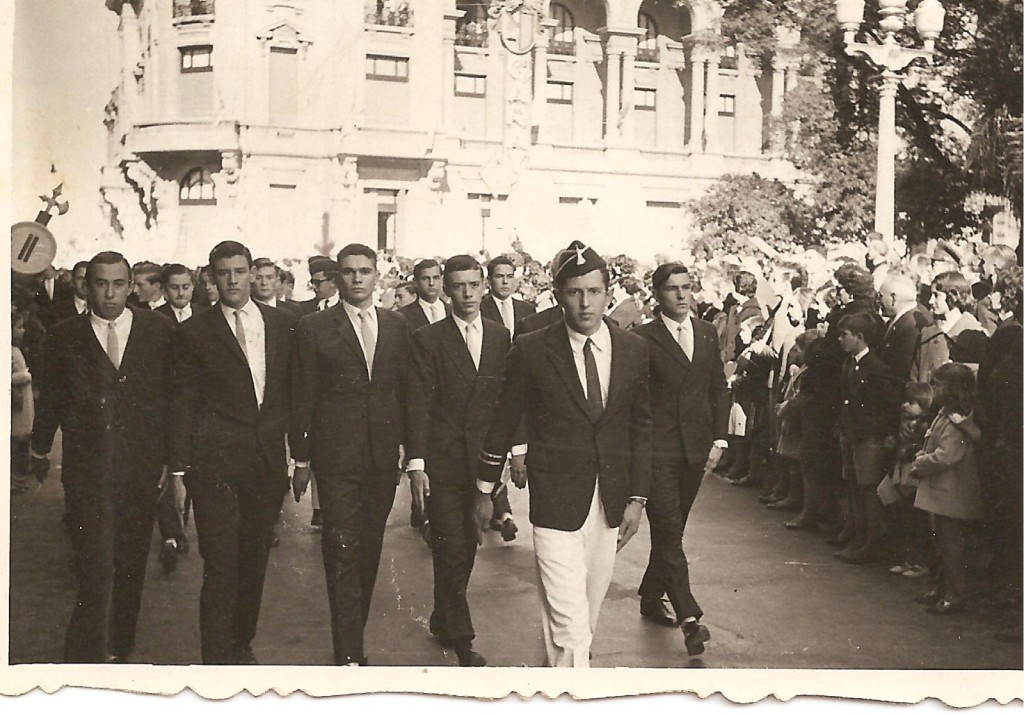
<point x="647" y="54"/>
<point x="389" y="14"/>
<point x="471" y="35"/>
<point x="561" y="47"/>
<point x="193" y="8"/>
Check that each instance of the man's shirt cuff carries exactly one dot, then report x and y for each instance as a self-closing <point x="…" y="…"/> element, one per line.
<point x="518" y="450"/>
<point x="724" y="444"/>
<point x="36" y="455"/>
<point x="485" y="487"/>
<point x="416" y="463"/>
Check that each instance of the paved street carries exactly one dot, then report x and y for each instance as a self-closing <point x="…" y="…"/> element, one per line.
<point x="773" y="599"/>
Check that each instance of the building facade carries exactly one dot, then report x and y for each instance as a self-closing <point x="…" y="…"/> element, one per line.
<point x="428" y="127"/>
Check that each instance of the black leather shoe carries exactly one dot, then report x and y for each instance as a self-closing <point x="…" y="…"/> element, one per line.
<point x="245" y="656"/>
<point x="654" y="610"/>
<point x="508" y="530"/>
<point x="169" y="557"/>
<point x="695" y="635"/>
<point x="468" y="657"/>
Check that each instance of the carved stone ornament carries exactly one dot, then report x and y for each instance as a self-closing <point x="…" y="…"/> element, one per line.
<point x="516" y="22"/>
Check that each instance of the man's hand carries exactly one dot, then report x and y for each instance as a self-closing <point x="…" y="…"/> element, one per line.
<point x="630" y="523"/>
<point x="40" y="468"/>
<point x="300" y="481"/>
<point x="420" y="489"/>
<point x="714" y="455"/>
<point x="518" y="467"/>
<point x="482" y="512"/>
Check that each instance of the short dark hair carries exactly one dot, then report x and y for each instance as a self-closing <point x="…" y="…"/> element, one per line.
<point x="461" y="262"/>
<point x="80" y="265"/>
<point x="559" y="283"/>
<point x="106" y="258"/>
<point x="958" y="380"/>
<point x="227" y="249"/>
<point x="264" y="262"/>
<point x="859" y="324"/>
<point x="423" y="266"/>
<point x="149" y="270"/>
<point x="173" y="270"/>
<point x="497" y="261"/>
<point x="358" y="250"/>
<point x="286" y="276"/>
<point x="745" y="283"/>
<point x="666" y="271"/>
<point x="406" y="286"/>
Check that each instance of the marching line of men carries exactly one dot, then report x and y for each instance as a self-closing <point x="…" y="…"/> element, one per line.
<point x="600" y="422"/>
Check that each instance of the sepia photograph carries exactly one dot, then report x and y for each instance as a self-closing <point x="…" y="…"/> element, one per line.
<point x="676" y="339"/>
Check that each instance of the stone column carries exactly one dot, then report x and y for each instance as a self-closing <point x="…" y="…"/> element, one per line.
<point x="696" y="102"/>
<point x="612" y="59"/>
<point x="749" y="119"/>
<point x="540" y="80"/>
<point x="711" y="143"/>
<point x="777" y="140"/>
<point x="626" y="111"/>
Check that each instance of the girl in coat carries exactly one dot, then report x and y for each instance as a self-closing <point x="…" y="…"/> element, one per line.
<point x="22" y="412"/>
<point x="949" y="490"/>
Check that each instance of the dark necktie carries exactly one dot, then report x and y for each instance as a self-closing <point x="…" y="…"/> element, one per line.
<point x="594" y="402"/>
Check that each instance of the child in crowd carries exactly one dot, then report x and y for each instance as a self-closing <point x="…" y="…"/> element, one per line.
<point x="949" y="490"/>
<point x="910" y="526"/>
<point x="791" y="428"/>
<point x="22" y="407"/>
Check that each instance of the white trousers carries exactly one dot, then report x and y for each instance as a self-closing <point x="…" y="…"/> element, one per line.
<point x="575" y="571"/>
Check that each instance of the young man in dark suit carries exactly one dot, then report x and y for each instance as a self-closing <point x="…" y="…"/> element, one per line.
<point x="428" y="308"/>
<point x="457" y="373"/>
<point x="178" y="292"/>
<point x="690" y="405"/>
<point x="348" y="423"/>
<point x="323" y="276"/>
<point x="50" y="291"/>
<point x="266" y="283"/>
<point x="105" y="384"/>
<point x="868" y="420"/>
<point x="76" y="304"/>
<point x="582" y="385"/>
<point x="230" y="413"/>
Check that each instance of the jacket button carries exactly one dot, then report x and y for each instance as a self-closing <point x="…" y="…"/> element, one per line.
<point x="846" y="402"/>
<point x="123" y="379"/>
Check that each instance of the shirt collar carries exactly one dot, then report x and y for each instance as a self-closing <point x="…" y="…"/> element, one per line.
<point x="157" y="303"/>
<point x="245" y="310"/>
<point x="861" y="355"/>
<point x="602" y="339"/>
<point x="904" y="312"/>
<point x="673" y="326"/>
<point x="81" y="305"/>
<point x="120" y="322"/>
<point x="462" y="324"/>
<point x="353" y="312"/>
<point x="272" y="302"/>
<point x="428" y="308"/>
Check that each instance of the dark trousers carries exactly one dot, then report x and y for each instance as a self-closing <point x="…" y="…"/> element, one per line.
<point x="951" y="549"/>
<point x="355" y="508"/>
<point x="110" y="531"/>
<point x="235" y="524"/>
<point x="453" y="547"/>
<point x="674" y="487"/>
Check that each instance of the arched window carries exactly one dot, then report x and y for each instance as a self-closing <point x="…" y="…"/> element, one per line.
<point x="647" y="49"/>
<point x="197" y="187"/>
<point x="562" y="34"/>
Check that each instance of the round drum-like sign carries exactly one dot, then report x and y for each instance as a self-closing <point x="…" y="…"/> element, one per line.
<point x="33" y="247"/>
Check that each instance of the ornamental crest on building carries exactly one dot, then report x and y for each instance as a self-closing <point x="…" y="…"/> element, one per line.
<point x="516" y="22"/>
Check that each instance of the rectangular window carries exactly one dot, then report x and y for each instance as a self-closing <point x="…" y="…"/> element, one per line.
<point x="645" y="98"/>
<point x="197" y="59"/>
<point x="651" y="204"/>
<point x="470" y="86"/>
<point x="284" y="86"/>
<point x="727" y="105"/>
<point x="387" y="69"/>
<point x="560" y="92"/>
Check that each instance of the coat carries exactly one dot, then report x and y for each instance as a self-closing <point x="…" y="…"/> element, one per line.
<point x="450" y="399"/>
<point x="946" y="465"/>
<point x="520" y="310"/>
<point x="414" y="315"/>
<point x="568" y="449"/>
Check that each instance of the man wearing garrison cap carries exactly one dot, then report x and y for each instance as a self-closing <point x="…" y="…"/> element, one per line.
<point x="581" y="385"/>
<point x="323" y="273"/>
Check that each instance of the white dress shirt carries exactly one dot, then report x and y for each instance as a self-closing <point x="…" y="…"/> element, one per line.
<point x="357" y="326"/>
<point x="434" y="311"/>
<point x="687" y="326"/>
<point x="857" y="358"/>
<point x="602" y="348"/>
<point x="81" y="306"/>
<point x="153" y="305"/>
<point x="183" y="314"/>
<point x="478" y="325"/>
<point x="272" y="302"/>
<point x="507" y="311"/>
<point x="325" y="303"/>
<point x="122" y="327"/>
<point x="255" y="343"/>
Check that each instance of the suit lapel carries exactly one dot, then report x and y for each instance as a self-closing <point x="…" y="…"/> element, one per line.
<point x="458" y="351"/>
<point x="492" y="356"/>
<point x="220" y="328"/>
<point x="348" y="332"/>
<point x="666" y="340"/>
<point x="560" y="354"/>
<point x="271" y="339"/>
<point x="91" y="346"/>
<point x="618" y="371"/>
<point x="135" y="342"/>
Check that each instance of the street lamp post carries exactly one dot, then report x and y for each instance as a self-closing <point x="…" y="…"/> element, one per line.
<point x="892" y="59"/>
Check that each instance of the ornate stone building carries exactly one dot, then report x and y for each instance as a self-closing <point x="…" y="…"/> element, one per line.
<point x="429" y="126"/>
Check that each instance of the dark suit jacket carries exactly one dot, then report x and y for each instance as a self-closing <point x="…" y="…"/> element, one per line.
<point x="61" y="310"/>
<point x="450" y="400"/>
<point x="567" y="449"/>
<point x="689" y="399"/>
<point x="536" y="321"/>
<point x="415" y="316"/>
<point x="216" y="420"/>
<point x="62" y="291"/>
<point x="340" y="414"/>
<point x="114" y="422"/>
<point x="293" y="306"/>
<point x="520" y="310"/>
<point x="899" y="343"/>
<point x="871" y="398"/>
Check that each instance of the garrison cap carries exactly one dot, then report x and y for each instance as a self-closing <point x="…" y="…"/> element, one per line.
<point x="576" y="260"/>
